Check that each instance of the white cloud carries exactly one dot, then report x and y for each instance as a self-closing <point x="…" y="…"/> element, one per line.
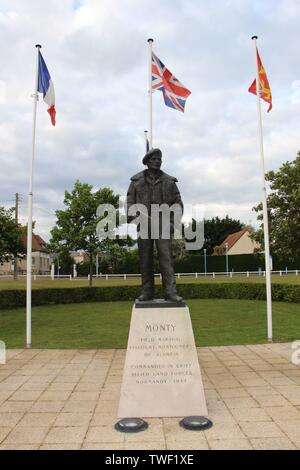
<point x="96" y="52"/>
<point x="2" y="92"/>
<point x="295" y="96"/>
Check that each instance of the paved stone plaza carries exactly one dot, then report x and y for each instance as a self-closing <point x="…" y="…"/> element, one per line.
<point x="68" y="399"/>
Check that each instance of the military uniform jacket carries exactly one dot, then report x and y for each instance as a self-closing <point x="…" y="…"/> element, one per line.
<point x="143" y="190"/>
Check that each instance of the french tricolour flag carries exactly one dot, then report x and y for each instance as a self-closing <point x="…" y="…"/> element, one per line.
<point x="46" y="87"/>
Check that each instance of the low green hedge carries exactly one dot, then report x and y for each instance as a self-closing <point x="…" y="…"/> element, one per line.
<point x="280" y="292"/>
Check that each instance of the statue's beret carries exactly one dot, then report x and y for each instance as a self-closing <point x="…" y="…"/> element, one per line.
<point x="150" y="153"/>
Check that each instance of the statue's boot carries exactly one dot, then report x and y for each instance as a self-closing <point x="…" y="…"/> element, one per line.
<point x="171" y="294"/>
<point x="173" y="297"/>
<point x="146" y="296"/>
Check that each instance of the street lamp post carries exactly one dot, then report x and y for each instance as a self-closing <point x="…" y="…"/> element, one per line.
<point x="97" y="265"/>
<point x="205" y="265"/>
<point x="58" y="265"/>
<point x="226" y="246"/>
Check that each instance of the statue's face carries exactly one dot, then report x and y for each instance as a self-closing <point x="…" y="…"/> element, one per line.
<point x="154" y="162"/>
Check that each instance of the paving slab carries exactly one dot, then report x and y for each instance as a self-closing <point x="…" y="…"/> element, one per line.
<point x="68" y="399"/>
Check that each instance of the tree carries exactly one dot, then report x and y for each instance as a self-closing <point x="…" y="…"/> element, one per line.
<point x="11" y="236"/>
<point x="64" y="262"/>
<point x="283" y="211"/>
<point x="62" y="259"/>
<point x="76" y="225"/>
<point x="179" y="250"/>
<point x="219" y="250"/>
<point x="216" y="230"/>
<point x="114" y="257"/>
<point x="127" y="242"/>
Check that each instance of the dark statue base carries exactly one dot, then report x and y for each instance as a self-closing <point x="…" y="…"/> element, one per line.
<point x="131" y="425"/>
<point x="158" y="303"/>
<point x="195" y="423"/>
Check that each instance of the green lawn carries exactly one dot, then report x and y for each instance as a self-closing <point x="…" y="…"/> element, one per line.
<point x="41" y="283"/>
<point x="216" y="322"/>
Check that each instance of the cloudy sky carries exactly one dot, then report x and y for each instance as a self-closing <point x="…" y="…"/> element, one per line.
<point x="96" y="52"/>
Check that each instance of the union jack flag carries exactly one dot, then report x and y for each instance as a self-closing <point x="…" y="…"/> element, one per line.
<point x="175" y="94"/>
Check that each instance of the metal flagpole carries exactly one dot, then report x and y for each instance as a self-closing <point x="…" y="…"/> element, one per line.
<point x="29" y="223"/>
<point x="146" y="141"/>
<point x="17" y="221"/>
<point x="150" y="41"/>
<point x="264" y="200"/>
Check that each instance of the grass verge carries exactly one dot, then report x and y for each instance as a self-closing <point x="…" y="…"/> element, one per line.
<point x="40" y="283"/>
<point x="216" y="322"/>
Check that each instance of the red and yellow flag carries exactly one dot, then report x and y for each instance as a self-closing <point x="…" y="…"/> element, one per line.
<point x="265" y="90"/>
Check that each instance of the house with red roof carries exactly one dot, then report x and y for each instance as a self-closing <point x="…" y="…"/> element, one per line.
<point x="40" y="258"/>
<point x="239" y="243"/>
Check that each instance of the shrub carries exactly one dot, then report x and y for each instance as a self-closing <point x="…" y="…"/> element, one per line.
<point x="17" y="298"/>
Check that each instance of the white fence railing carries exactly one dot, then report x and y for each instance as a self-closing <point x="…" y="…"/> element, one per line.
<point x="125" y="277"/>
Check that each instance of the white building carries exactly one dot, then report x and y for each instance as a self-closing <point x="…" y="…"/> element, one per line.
<point x="240" y="243"/>
<point x="40" y="258"/>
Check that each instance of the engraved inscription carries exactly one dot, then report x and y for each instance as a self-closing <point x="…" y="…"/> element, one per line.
<point x="162" y="375"/>
<point x="160" y="341"/>
<point x="155" y="327"/>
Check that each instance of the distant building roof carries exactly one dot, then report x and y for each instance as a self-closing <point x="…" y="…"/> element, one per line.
<point x="38" y="244"/>
<point x="233" y="238"/>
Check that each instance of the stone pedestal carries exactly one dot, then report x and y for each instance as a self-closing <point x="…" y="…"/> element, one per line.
<point x="162" y="375"/>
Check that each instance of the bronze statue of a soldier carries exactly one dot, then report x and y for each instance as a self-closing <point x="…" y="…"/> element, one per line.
<point x="154" y="187"/>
